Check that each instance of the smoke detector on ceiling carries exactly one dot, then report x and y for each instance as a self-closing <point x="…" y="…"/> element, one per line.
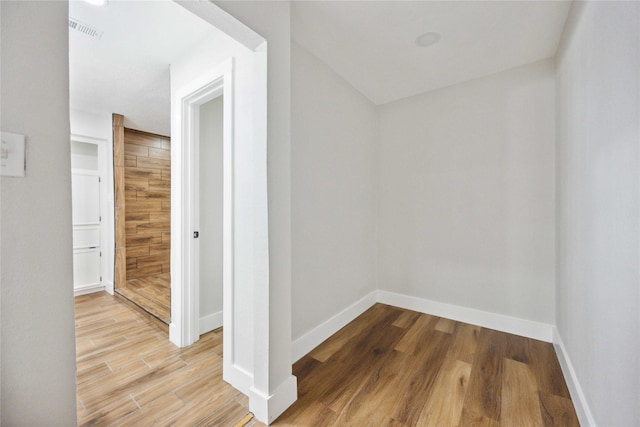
<point x="85" y="29"/>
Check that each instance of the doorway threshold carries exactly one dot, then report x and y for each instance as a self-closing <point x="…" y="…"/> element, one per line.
<point x="133" y="300"/>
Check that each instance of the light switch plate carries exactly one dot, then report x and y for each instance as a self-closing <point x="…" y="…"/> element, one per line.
<point x="13" y="157"/>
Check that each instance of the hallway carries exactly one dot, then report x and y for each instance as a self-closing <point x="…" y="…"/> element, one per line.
<point x="142" y="168"/>
<point x="128" y="373"/>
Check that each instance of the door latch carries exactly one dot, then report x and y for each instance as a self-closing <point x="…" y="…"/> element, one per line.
<point x="196" y="234"/>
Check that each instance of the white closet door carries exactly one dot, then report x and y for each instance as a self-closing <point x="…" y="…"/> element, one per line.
<point x="86" y="268"/>
<point x="86" y="230"/>
<point x="86" y="199"/>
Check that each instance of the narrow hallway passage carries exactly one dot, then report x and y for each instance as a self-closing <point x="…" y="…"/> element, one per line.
<point x="142" y="167"/>
<point x="128" y="373"/>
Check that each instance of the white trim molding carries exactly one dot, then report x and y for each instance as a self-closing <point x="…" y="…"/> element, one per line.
<point x="317" y="335"/>
<point x="185" y="316"/>
<point x="257" y="344"/>
<point x="108" y="286"/>
<point x="577" y="395"/>
<point x="239" y="378"/>
<point x="210" y="322"/>
<point x="89" y="289"/>
<point x="513" y="325"/>
<point x="271" y="407"/>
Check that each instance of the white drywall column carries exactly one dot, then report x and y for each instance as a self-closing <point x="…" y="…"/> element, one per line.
<point x="272" y="363"/>
<point x="269" y="302"/>
<point x="38" y="344"/>
<point x="598" y="160"/>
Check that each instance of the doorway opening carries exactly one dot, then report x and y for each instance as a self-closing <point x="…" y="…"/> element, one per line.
<point x="238" y="57"/>
<point x="142" y="167"/>
<point x="204" y="180"/>
<point x="209" y="244"/>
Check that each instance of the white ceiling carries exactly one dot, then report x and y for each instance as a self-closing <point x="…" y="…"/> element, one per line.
<point x="127" y="70"/>
<point x="371" y="44"/>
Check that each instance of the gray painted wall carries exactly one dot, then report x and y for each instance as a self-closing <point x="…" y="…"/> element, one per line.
<point x="467" y="194"/>
<point x="598" y="139"/>
<point x="333" y="192"/>
<point x="38" y="344"/>
<point x="211" y="207"/>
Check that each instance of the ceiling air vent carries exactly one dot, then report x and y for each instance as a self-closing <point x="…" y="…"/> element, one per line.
<point x="85" y="29"/>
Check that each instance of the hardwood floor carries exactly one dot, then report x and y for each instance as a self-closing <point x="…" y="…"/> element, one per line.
<point x="389" y="367"/>
<point x="394" y="367"/>
<point x="129" y="374"/>
<point x="152" y="293"/>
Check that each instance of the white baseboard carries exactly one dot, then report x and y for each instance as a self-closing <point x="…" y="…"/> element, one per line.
<point x="512" y="325"/>
<point x="90" y="289"/>
<point x="210" y="322"/>
<point x="317" y="335"/>
<point x="173" y="334"/>
<point x="577" y="395"/>
<point x="109" y="287"/>
<point x="239" y="379"/>
<point x="266" y="408"/>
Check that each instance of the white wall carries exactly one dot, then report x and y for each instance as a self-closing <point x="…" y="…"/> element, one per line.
<point x="467" y="194"/>
<point x="210" y="239"/>
<point x="598" y="138"/>
<point x="38" y="345"/>
<point x="333" y="194"/>
<point x="90" y="124"/>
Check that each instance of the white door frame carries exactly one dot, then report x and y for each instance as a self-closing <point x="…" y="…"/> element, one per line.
<point x="249" y="369"/>
<point x="185" y="309"/>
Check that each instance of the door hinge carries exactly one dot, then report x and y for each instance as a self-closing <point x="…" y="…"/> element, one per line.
<point x="101" y="278"/>
<point x="99" y="179"/>
<point x="100" y="218"/>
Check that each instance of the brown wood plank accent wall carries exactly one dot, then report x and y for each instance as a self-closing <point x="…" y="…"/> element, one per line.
<point x="147" y="193"/>
<point x="120" y="276"/>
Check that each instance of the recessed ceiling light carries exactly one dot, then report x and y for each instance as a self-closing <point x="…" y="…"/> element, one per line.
<point x="97" y="2"/>
<point x="428" y="39"/>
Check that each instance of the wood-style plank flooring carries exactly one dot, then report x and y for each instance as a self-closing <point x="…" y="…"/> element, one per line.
<point x="395" y="367"/>
<point x="389" y="367"/>
<point x="129" y="374"/>
<point x="152" y="293"/>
